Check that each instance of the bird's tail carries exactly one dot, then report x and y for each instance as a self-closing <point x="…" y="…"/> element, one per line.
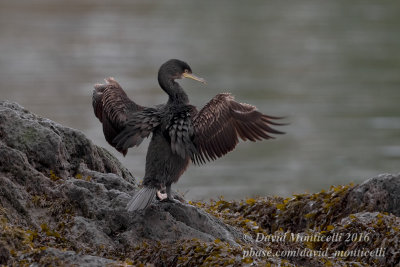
<point x="142" y="199"/>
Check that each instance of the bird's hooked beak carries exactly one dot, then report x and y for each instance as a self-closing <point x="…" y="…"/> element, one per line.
<point x="193" y="77"/>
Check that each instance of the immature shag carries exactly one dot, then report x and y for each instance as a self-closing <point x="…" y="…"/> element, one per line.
<point x="181" y="133"/>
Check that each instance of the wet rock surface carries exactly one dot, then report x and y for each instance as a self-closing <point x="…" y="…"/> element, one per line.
<point x="62" y="202"/>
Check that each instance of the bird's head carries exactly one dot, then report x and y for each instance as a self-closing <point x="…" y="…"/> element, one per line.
<point x="178" y="69"/>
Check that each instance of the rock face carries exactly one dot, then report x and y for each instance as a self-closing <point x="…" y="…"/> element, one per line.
<point x="378" y="194"/>
<point x="63" y="199"/>
<point x="57" y="189"/>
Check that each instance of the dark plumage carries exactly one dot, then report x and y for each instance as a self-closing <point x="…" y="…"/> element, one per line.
<point x="180" y="133"/>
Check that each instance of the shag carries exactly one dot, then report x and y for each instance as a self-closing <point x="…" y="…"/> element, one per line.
<point x="180" y="133"/>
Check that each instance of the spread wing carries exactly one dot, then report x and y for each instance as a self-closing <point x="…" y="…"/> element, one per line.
<point x="114" y="109"/>
<point x="222" y="121"/>
<point x="138" y="126"/>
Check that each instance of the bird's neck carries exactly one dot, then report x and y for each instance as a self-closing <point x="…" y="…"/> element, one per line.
<point x="174" y="91"/>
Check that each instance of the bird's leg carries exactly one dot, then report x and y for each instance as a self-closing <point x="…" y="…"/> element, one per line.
<point x="169" y="195"/>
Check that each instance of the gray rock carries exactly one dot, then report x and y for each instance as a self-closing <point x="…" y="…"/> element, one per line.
<point x="175" y="221"/>
<point x="381" y="193"/>
<point x="52" y="177"/>
<point x="56" y="257"/>
<point x="63" y="202"/>
<point x="48" y="146"/>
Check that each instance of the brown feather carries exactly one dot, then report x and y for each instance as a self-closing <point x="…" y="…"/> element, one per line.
<point x="222" y="121"/>
<point x="113" y="108"/>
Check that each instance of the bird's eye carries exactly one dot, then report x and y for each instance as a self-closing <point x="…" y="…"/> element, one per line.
<point x="186" y="71"/>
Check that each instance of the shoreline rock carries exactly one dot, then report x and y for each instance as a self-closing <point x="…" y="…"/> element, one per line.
<point x="56" y="184"/>
<point x="62" y="201"/>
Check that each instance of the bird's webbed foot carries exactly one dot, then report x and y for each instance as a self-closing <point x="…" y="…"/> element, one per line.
<point x="165" y="195"/>
<point x="161" y="195"/>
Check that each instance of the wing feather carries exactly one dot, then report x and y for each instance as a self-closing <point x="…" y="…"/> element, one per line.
<point x="138" y="126"/>
<point x="222" y="121"/>
<point x="115" y="110"/>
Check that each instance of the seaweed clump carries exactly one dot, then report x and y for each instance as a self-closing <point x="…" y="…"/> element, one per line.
<point x="320" y="216"/>
<point x="326" y="226"/>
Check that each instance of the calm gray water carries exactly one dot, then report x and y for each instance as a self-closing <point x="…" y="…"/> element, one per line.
<point x="333" y="68"/>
